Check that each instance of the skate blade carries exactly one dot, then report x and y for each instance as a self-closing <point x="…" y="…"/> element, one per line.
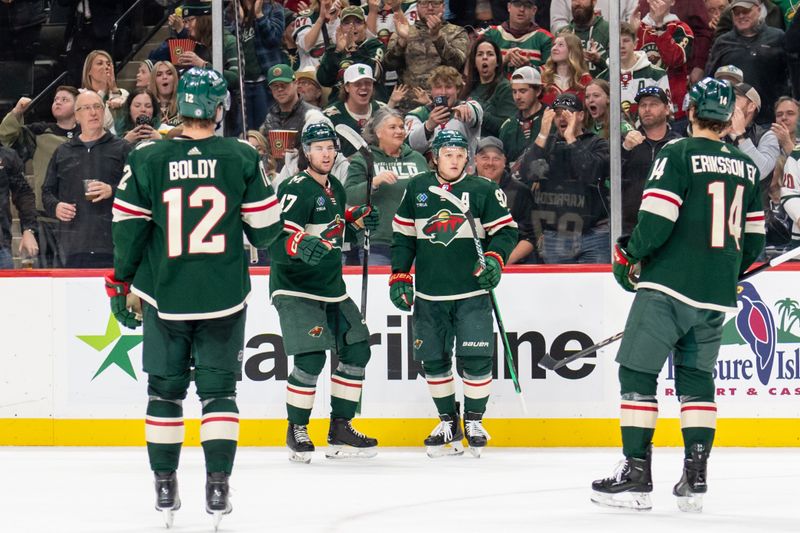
<point x="169" y="517"/>
<point x="342" y="451"/>
<point x="454" y="448"/>
<point x="476" y="451"/>
<point x="691" y="504"/>
<point x="216" y="518"/>
<point x="636" y="501"/>
<point x="300" y="457"/>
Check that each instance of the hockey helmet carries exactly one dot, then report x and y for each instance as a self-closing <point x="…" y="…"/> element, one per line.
<point x="448" y="138"/>
<point x="200" y="92"/>
<point x="317" y="132"/>
<point x="713" y="99"/>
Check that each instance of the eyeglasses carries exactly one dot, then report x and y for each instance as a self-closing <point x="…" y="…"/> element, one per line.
<point x="430" y="3"/>
<point x="93" y="107"/>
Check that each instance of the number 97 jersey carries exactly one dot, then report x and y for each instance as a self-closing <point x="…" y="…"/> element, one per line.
<point x="700" y="224"/>
<point x="180" y="213"/>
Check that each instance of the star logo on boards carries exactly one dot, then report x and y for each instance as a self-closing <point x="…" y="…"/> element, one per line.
<point x="121" y="345"/>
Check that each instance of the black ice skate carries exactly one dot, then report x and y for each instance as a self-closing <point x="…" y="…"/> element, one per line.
<point x="217" y="501"/>
<point x="475" y="432"/>
<point x="628" y="488"/>
<point x="167" y="499"/>
<point x="692" y="486"/>
<point x="299" y="443"/>
<point x="445" y="439"/>
<point x="344" y="441"/>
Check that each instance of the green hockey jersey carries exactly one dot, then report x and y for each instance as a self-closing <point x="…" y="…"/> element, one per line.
<point x="339" y="114"/>
<point x="179" y="215"/>
<point x="534" y="45"/>
<point x="700" y="224"/>
<point x="433" y="232"/>
<point x="311" y="208"/>
<point x="517" y="134"/>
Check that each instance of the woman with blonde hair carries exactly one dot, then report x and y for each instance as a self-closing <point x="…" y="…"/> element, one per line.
<point x="164" y="84"/>
<point x="98" y="76"/>
<point x="566" y="70"/>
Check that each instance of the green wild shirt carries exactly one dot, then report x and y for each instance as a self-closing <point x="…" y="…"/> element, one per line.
<point x="178" y="218"/>
<point x="433" y="232"/>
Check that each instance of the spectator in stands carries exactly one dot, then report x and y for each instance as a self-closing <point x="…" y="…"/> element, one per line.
<point x="85" y="210"/>
<point x="759" y="51"/>
<point x="696" y="15"/>
<point x="309" y="88"/>
<point x="164" y="84"/>
<point x="261" y="34"/>
<point x="38" y="141"/>
<point x="314" y="30"/>
<point x="144" y="74"/>
<point x="786" y="127"/>
<point x="522" y="41"/>
<point x="729" y="73"/>
<point x="519" y="131"/>
<point x="356" y="103"/>
<point x="598" y="100"/>
<point x="289" y="110"/>
<point x="636" y="72"/>
<point x="289" y="52"/>
<point x="758" y="142"/>
<point x="14" y="187"/>
<point x="561" y="11"/>
<point x="445" y="111"/>
<point x="793" y="48"/>
<point x="395" y="164"/>
<point x="380" y="23"/>
<point x="714" y="9"/>
<point x="567" y="171"/>
<point x="415" y="50"/>
<point x="98" y="76"/>
<point x="667" y="41"/>
<point x="140" y="122"/>
<point x="90" y="29"/>
<point x="592" y="29"/>
<point x="486" y="84"/>
<point x="20" y="23"/>
<point x="640" y="148"/>
<point x="769" y="13"/>
<point x="352" y="46"/>
<point x="490" y="162"/>
<point x="779" y="224"/>
<point x="566" y="70"/>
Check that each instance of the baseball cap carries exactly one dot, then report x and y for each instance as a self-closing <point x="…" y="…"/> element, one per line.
<point x="652" y="90"/>
<point x="747" y="90"/>
<point x="281" y="73"/>
<point x="352" y="11"/>
<point x="527" y="75"/>
<point x="196" y="8"/>
<point x="490" y="142"/>
<point x="745" y="3"/>
<point x="308" y="73"/>
<point x="357" y="71"/>
<point x="730" y="71"/>
<point x="528" y="2"/>
<point x="568" y="101"/>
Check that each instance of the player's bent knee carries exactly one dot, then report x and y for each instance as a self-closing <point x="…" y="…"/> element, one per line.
<point x="694" y="383"/>
<point x="311" y="363"/>
<point x="213" y="383"/>
<point x="168" y="387"/>
<point x="474" y="366"/>
<point x="437" y="367"/>
<point x="636" y="382"/>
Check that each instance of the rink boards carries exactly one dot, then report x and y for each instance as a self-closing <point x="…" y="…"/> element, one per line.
<point x="71" y="376"/>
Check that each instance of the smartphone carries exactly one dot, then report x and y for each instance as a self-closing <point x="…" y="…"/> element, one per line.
<point x="440" y="101"/>
<point x="143" y="119"/>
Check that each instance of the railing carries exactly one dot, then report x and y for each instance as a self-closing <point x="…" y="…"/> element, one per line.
<point x="139" y="45"/>
<point x="52" y="85"/>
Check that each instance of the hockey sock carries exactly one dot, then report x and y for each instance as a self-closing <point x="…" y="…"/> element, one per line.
<point x="695" y="390"/>
<point x="476" y="373"/>
<point x="638" y="411"/>
<point x="164" y="433"/>
<point x="439" y="375"/>
<point x="219" y="433"/>
<point x="302" y="385"/>
<point x="346" y="380"/>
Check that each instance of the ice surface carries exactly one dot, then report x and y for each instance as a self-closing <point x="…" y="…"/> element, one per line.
<point x="88" y="490"/>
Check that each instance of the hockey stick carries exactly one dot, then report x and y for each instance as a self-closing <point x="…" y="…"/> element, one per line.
<point x="547" y="362"/>
<point x="464" y="208"/>
<point x="350" y="135"/>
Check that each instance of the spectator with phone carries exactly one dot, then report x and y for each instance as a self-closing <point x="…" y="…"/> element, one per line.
<point x="140" y="122"/>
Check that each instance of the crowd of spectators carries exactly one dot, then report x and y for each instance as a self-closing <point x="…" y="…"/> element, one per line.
<point x="526" y="81"/>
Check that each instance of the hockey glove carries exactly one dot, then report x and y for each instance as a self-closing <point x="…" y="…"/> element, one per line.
<point x="401" y="290"/>
<point x="489" y="275"/>
<point x="625" y="268"/>
<point x="118" y="292"/>
<point x="307" y="247"/>
<point x="362" y="216"/>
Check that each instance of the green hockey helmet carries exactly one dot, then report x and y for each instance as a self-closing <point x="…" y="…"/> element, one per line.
<point x="713" y="99"/>
<point x="200" y="92"/>
<point x="317" y="132"/>
<point x="446" y="138"/>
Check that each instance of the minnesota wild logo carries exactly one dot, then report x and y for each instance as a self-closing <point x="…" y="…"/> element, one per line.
<point x="334" y="232"/>
<point x="442" y="227"/>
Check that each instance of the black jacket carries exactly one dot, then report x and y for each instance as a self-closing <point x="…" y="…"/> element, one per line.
<point x="520" y="204"/>
<point x="636" y="165"/>
<point x="73" y="162"/>
<point x="14" y="186"/>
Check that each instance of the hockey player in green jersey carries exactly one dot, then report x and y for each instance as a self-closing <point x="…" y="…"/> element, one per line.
<point x="700" y="226"/>
<point x="452" y="302"/>
<point x="179" y="215"/>
<point x="307" y="289"/>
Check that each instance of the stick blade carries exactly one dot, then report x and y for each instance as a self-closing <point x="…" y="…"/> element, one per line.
<point x="350" y="135"/>
<point x="548" y="363"/>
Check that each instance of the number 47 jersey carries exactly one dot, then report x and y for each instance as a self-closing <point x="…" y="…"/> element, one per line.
<point x="180" y="212"/>
<point x="701" y="223"/>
